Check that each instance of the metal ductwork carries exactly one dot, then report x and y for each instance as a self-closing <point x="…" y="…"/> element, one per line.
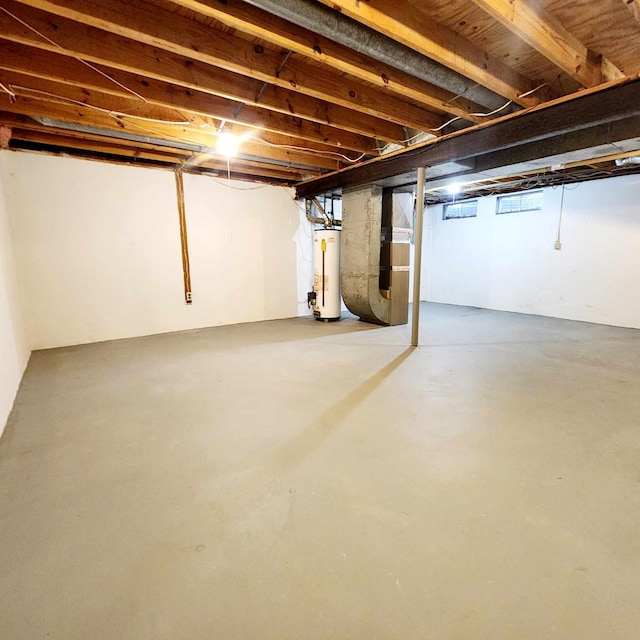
<point x="352" y="34"/>
<point x="623" y="162"/>
<point x="375" y="264"/>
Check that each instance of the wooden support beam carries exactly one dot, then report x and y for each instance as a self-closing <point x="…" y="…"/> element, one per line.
<point x="534" y="157"/>
<point x="616" y="132"/>
<point x="547" y="36"/>
<point x="404" y="23"/>
<point x="270" y="28"/>
<point x="148" y="23"/>
<point x="115" y="52"/>
<point x="589" y="108"/>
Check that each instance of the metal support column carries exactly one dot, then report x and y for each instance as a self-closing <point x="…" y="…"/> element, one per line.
<point x="417" y="258"/>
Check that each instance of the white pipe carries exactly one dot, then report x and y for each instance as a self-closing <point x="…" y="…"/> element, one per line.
<point x="417" y="258"/>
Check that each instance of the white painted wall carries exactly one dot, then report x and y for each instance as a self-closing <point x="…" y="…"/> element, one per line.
<point x="14" y="351"/>
<point x="508" y="262"/>
<point x="98" y="250"/>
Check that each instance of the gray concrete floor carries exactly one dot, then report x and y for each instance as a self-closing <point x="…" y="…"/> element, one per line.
<point x="294" y="479"/>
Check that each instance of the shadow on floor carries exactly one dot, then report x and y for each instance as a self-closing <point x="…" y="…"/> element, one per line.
<point x="299" y="447"/>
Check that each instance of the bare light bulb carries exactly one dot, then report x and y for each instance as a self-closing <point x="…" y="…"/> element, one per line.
<point x="454" y="188"/>
<point x="227" y="144"/>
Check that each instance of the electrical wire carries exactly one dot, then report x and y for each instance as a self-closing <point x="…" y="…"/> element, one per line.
<point x="10" y="92"/>
<point x="528" y="93"/>
<point x="446" y="124"/>
<point x="144" y="100"/>
<point x="229" y="186"/>
<point x="474" y="115"/>
<point x="459" y="95"/>
<point x="305" y="149"/>
<point x="67" y="52"/>
<point x="110" y="112"/>
<point x="186" y="140"/>
<point x="543" y="180"/>
<point x="113" y="113"/>
<point x="490" y="113"/>
<point x="576" y="185"/>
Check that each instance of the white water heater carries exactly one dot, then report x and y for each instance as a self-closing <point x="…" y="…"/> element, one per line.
<point x="326" y="274"/>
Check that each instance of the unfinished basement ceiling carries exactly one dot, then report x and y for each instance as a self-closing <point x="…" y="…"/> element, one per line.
<point x="157" y="82"/>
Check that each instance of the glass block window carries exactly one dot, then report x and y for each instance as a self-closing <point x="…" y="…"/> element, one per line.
<point x="463" y="209"/>
<point x="516" y="202"/>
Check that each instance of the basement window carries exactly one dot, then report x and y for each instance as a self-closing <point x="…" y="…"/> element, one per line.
<point x="518" y="202"/>
<point x="464" y="209"/>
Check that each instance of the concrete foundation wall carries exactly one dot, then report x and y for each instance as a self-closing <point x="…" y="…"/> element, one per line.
<point x="98" y="250"/>
<point x="14" y="351"/>
<point x="508" y="262"/>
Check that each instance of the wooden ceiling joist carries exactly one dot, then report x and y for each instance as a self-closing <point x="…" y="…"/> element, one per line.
<point x="50" y="91"/>
<point x="404" y="23"/>
<point x="282" y="33"/>
<point x="58" y="68"/>
<point x="113" y="51"/>
<point x="539" y="29"/>
<point x="121" y="148"/>
<point x="141" y="129"/>
<point x="237" y="171"/>
<point x="44" y="64"/>
<point x="28" y="130"/>
<point x="25" y="123"/>
<point x="147" y="23"/>
<point x="171" y="156"/>
<point x="311" y="87"/>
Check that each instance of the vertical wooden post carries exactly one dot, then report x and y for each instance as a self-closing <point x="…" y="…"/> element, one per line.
<point x="186" y="269"/>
